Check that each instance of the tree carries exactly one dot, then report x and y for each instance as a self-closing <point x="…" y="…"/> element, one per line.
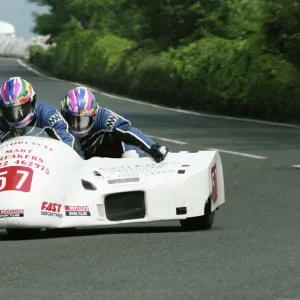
<point x="107" y="16"/>
<point x="245" y="18"/>
<point x="281" y="28"/>
<point x="54" y="21"/>
<point x="173" y="22"/>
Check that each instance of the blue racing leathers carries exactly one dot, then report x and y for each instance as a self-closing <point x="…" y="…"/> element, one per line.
<point x="47" y="116"/>
<point x="112" y="135"/>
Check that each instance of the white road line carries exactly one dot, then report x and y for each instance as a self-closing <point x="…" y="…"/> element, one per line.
<point x="22" y="63"/>
<point x="198" y="113"/>
<point x="93" y="90"/>
<point x="167" y="140"/>
<point x="238" y="153"/>
<point x="296" y="166"/>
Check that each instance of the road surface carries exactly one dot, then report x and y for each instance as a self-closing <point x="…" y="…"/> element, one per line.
<point x="252" y="252"/>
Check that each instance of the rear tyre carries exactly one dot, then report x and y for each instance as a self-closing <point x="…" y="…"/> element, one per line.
<point x="23" y="233"/>
<point x="204" y="222"/>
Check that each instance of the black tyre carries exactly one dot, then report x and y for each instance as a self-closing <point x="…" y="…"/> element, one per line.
<point x="204" y="222"/>
<point x="23" y="233"/>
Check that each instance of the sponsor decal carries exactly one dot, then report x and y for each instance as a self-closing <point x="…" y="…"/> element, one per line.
<point x="11" y="213"/>
<point x="16" y="178"/>
<point x="32" y="164"/>
<point x="77" y="211"/>
<point x="21" y="154"/>
<point x="123" y="180"/>
<point x="136" y="171"/>
<point x="29" y="143"/>
<point x="24" y="157"/>
<point x="51" y="209"/>
<point x="214" y="184"/>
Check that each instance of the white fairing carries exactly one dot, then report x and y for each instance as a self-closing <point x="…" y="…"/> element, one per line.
<point x="175" y="189"/>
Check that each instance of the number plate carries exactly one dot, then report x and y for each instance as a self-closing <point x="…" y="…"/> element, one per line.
<point x="16" y="178"/>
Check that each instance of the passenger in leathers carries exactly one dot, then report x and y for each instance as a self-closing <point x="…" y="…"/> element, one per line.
<point x="19" y="108"/>
<point x="101" y="131"/>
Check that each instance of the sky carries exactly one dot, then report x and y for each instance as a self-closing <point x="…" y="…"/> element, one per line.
<point x="19" y="13"/>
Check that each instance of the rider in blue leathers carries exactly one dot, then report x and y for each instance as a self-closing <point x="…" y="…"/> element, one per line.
<point x="101" y="131"/>
<point x="19" y="109"/>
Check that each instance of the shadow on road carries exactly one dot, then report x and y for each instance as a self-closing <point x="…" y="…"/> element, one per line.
<point x="102" y="231"/>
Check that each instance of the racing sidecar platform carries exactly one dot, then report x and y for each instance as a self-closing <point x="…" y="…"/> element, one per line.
<point x="45" y="184"/>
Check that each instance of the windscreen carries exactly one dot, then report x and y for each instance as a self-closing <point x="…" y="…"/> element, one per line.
<point x="27" y="131"/>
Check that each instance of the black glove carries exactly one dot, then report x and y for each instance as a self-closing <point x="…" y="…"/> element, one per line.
<point x="159" y="153"/>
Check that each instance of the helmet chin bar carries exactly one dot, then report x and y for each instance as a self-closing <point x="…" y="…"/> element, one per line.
<point x="25" y="122"/>
<point x="80" y="134"/>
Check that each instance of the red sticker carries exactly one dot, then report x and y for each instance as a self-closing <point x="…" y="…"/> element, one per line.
<point x="16" y="178"/>
<point x="214" y="184"/>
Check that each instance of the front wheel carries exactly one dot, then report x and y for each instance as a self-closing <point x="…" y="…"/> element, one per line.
<point x="23" y="233"/>
<point x="204" y="222"/>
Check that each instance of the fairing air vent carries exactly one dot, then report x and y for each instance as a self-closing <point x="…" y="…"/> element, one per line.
<point x="125" y="206"/>
<point x="96" y="173"/>
<point x="88" y="185"/>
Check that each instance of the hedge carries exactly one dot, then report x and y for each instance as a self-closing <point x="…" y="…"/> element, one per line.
<point x="233" y="77"/>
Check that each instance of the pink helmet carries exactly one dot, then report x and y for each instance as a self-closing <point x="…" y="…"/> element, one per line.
<point x="17" y="102"/>
<point x="80" y="107"/>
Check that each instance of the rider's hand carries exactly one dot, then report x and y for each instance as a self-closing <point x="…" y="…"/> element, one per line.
<point x="158" y="152"/>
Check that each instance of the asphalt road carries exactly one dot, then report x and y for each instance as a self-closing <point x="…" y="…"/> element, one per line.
<point x="252" y="251"/>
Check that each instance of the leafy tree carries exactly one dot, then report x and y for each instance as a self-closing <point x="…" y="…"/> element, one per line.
<point x="245" y="18"/>
<point x="173" y="22"/>
<point x="281" y="28"/>
<point x="109" y="16"/>
<point x="52" y="23"/>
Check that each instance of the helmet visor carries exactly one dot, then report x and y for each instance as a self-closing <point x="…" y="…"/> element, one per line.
<point x="79" y="124"/>
<point x="17" y="113"/>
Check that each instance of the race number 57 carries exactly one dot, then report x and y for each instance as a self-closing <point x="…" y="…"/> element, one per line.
<point x="16" y="178"/>
<point x="214" y="184"/>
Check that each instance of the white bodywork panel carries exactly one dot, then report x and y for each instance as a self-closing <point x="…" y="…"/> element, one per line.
<point x="55" y="197"/>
